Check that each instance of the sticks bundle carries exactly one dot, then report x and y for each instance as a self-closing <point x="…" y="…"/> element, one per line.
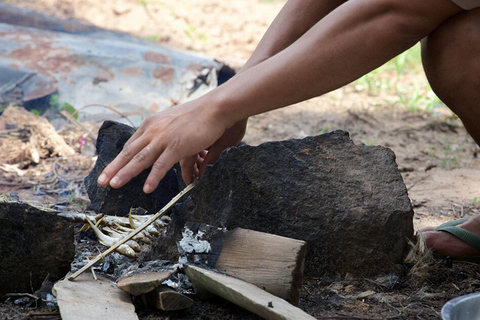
<point x="160" y="213"/>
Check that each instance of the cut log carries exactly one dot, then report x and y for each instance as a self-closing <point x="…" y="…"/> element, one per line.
<point x="142" y="283"/>
<point x="167" y="299"/>
<point x="87" y="298"/>
<point x="244" y="294"/>
<point x="268" y="261"/>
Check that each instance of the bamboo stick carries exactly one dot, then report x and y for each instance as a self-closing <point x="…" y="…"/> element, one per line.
<point x="160" y="213"/>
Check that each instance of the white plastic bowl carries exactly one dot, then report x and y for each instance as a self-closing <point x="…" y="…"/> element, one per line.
<point x="466" y="307"/>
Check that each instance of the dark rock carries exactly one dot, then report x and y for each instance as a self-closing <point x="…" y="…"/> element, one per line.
<point x="111" y="138"/>
<point x="347" y="201"/>
<point x="34" y="244"/>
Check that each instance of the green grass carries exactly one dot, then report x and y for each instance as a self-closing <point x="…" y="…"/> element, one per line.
<point x="153" y="38"/>
<point x="413" y="97"/>
<point x="446" y="155"/>
<point x="195" y="33"/>
<point x="475" y="200"/>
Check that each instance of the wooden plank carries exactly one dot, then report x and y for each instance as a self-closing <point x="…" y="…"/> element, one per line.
<point x="270" y="262"/>
<point x="244" y="294"/>
<point x="167" y="299"/>
<point x="142" y="283"/>
<point x="87" y="298"/>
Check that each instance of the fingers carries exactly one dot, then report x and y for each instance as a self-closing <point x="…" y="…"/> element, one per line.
<point x="132" y="160"/>
<point x="159" y="169"/>
<point x="210" y="158"/>
<point x="131" y="147"/>
<point x="188" y="168"/>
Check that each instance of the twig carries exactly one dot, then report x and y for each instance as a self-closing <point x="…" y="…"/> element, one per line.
<point x="106" y="107"/>
<point x="160" y="213"/>
<point x="59" y="176"/>
<point x="22" y="295"/>
<point x="43" y="314"/>
<point x="72" y="119"/>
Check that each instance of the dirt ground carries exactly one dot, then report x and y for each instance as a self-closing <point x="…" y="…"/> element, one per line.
<point x="439" y="162"/>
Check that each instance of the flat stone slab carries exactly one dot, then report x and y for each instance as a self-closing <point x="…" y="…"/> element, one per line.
<point x="347" y="201"/>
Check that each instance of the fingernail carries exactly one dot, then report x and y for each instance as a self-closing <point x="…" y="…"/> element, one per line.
<point x="146" y="188"/>
<point x="102" y="179"/>
<point x="115" y="181"/>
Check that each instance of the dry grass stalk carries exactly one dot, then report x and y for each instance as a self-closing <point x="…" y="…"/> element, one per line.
<point x="156" y="216"/>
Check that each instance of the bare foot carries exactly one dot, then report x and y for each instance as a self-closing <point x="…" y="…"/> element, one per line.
<point x="448" y="245"/>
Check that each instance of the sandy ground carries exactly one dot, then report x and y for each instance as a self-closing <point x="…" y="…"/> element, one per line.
<point x="439" y="162"/>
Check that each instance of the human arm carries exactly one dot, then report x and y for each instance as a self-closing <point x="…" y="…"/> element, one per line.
<point x="355" y="38"/>
<point x="295" y="18"/>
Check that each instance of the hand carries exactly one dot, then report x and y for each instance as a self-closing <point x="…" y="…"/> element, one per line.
<point x="231" y="138"/>
<point x="179" y="133"/>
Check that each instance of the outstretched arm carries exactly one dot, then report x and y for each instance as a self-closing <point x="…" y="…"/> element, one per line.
<point x="295" y="18"/>
<point x="355" y="38"/>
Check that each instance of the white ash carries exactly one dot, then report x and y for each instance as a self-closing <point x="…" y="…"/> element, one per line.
<point x="192" y="243"/>
<point x="180" y="283"/>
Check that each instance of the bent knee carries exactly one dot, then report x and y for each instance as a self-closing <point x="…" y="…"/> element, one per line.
<point x="454" y="43"/>
<point x="450" y="53"/>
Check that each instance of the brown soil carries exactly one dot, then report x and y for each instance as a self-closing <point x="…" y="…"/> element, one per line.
<point x="438" y="160"/>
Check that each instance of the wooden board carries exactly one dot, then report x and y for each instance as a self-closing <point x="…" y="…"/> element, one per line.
<point x="244" y="294"/>
<point x="270" y="262"/>
<point x="87" y="298"/>
<point x="167" y="299"/>
<point x="142" y="283"/>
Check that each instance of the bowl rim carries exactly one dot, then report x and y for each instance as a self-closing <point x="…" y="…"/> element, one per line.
<point x="447" y="308"/>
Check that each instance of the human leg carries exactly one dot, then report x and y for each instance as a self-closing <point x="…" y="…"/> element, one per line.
<point x="452" y="65"/>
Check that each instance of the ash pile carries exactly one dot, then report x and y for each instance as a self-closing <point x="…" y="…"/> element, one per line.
<point x="257" y="222"/>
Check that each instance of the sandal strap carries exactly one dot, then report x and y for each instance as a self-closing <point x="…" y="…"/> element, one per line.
<point x="452" y="223"/>
<point x="464" y="235"/>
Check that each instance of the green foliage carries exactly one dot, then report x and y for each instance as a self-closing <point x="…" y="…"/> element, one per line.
<point x="446" y="156"/>
<point x="370" y="142"/>
<point x="53" y="99"/>
<point x="414" y="97"/>
<point x="63" y="106"/>
<point x="153" y="38"/>
<point x="195" y="34"/>
<point x="35" y="112"/>
<point x="324" y="129"/>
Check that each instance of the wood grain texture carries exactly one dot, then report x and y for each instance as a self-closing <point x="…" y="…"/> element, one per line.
<point x="87" y="298"/>
<point x="167" y="299"/>
<point x="244" y="294"/>
<point x="270" y="262"/>
<point x="142" y="283"/>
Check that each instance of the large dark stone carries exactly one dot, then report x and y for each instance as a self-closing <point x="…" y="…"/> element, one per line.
<point x="34" y="244"/>
<point x="111" y="138"/>
<point x="347" y="201"/>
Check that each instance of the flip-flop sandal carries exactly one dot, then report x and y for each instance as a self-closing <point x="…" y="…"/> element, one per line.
<point x="466" y="236"/>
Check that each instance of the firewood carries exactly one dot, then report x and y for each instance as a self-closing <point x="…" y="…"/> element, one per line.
<point x="142" y="283"/>
<point x="167" y="299"/>
<point x="244" y="294"/>
<point x="152" y="219"/>
<point x="271" y="262"/>
<point x="87" y="298"/>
